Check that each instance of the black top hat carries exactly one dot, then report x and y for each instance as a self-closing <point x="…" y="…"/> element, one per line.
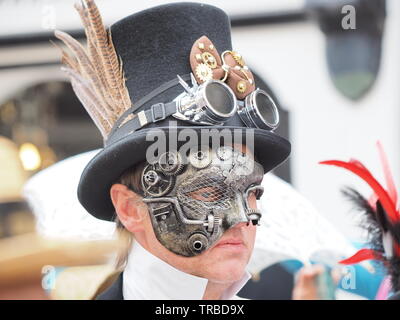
<point x="154" y="47"/>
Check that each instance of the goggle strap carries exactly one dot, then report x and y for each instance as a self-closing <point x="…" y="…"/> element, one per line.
<point x="138" y="105"/>
<point x="157" y="112"/>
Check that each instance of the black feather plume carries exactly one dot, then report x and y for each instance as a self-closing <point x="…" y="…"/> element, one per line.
<point x="370" y="223"/>
<point x="375" y="222"/>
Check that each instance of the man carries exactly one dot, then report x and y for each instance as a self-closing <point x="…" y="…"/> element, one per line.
<point x="184" y="156"/>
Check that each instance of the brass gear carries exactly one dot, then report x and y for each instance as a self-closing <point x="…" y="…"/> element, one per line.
<point x="238" y="58"/>
<point x="204" y="72"/>
<point x="209" y="60"/>
<point x="241" y="86"/>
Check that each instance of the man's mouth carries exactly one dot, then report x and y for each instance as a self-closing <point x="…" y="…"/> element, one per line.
<point x="230" y="243"/>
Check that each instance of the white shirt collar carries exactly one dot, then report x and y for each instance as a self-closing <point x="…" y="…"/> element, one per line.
<point x="147" y="277"/>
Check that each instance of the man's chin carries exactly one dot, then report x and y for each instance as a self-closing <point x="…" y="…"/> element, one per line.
<point x="228" y="265"/>
<point x="228" y="272"/>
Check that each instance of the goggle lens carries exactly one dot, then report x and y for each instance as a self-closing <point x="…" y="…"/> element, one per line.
<point x="266" y="109"/>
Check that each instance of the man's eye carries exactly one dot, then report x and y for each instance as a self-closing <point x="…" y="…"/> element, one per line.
<point x="206" y="194"/>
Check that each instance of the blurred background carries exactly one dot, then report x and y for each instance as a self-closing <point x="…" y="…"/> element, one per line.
<point x="332" y="65"/>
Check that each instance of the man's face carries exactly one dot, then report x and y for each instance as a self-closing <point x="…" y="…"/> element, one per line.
<point x="224" y="261"/>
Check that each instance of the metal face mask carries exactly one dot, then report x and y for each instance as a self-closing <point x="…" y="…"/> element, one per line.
<point x="191" y="205"/>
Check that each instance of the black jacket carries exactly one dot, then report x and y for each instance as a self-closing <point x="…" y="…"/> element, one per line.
<point x="114" y="292"/>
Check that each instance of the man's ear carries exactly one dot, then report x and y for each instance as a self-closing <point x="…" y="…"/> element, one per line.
<point x="130" y="209"/>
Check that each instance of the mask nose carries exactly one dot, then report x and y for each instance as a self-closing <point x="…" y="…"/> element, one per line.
<point x="236" y="214"/>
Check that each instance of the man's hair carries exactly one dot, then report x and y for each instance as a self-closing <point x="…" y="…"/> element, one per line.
<point x="131" y="178"/>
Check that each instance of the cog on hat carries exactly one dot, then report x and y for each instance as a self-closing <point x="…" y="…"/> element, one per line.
<point x="230" y="67"/>
<point x="209" y="60"/>
<point x="203" y="72"/>
<point x="238" y="58"/>
<point x="205" y="61"/>
<point x="238" y="77"/>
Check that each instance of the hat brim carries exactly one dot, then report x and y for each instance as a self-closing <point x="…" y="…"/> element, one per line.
<point x="107" y="166"/>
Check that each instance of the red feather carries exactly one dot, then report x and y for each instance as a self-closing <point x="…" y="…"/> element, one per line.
<point x="391" y="187"/>
<point x="396" y="249"/>
<point x="362" y="255"/>
<point x="360" y="170"/>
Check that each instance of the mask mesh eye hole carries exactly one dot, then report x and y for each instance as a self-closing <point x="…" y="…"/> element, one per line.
<point x="207" y="194"/>
<point x="204" y="192"/>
